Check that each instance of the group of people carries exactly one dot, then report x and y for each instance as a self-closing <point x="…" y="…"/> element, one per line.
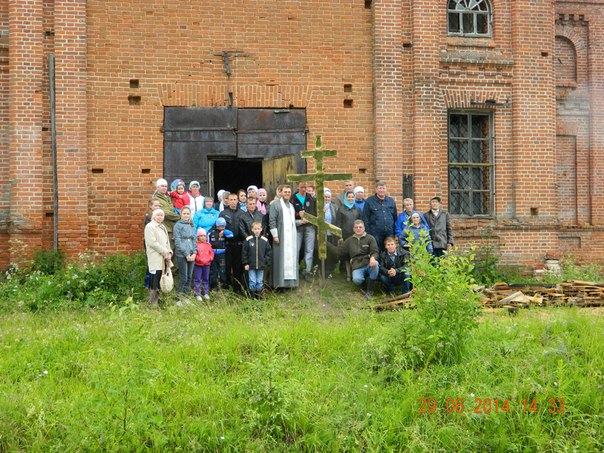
<point x="242" y="240"/>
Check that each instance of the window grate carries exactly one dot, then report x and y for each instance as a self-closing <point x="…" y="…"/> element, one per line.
<point x="470" y="163"/>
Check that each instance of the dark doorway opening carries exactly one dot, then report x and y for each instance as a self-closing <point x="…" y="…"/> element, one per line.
<point x="235" y="174"/>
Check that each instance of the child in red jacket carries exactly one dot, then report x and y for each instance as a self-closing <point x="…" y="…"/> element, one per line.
<point x="201" y="272"/>
<point x="180" y="198"/>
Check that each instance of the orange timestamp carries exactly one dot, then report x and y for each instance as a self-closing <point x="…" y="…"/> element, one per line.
<point x="550" y="405"/>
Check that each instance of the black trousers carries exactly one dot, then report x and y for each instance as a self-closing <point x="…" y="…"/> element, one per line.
<point x="234" y="267"/>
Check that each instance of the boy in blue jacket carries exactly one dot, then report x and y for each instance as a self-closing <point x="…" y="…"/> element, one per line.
<point x="217" y="238"/>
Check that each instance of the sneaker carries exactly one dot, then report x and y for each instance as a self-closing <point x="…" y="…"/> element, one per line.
<point x="198" y="298"/>
<point x="307" y="277"/>
<point x="206" y="296"/>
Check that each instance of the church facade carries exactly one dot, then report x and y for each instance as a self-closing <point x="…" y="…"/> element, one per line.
<point x="496" y="106"/>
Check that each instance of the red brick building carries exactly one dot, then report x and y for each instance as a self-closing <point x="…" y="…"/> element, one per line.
<point x="494" y="105"/>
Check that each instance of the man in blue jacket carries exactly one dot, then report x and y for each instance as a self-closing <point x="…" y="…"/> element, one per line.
<point x="380" y="214"/>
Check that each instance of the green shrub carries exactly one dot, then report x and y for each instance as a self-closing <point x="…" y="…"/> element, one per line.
<point x="85" y="283"/>
<point x="485" y="264"/>
<point x="271" y="394"/>
<point x="446" y="310"/>
<point x="49" y="262"/>
<point x="588" y="272"/>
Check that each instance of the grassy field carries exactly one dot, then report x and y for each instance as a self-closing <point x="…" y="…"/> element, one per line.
<point x="301" y="371"/>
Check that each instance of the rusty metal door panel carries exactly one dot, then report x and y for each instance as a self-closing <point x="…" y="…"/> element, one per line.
<point x="186" y="161"/>
<point x="193" y="133"/>
<point x="213" y="126"/>
<point x="270" y="133"/>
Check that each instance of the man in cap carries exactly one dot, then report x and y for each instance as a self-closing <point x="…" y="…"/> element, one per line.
<point x="441" y="232"/>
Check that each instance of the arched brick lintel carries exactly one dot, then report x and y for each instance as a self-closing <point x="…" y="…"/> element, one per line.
<point x="475" y="98"/>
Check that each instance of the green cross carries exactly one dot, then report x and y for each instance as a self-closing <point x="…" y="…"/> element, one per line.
<point x="318" y="154"/>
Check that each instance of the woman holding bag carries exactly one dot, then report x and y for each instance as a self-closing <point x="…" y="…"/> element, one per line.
<point x="159" y="253"/>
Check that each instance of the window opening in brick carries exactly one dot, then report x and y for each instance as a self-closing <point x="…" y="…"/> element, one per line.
<point x="470" y="18"/>
<point x="347" y="88"/>
<point x="347" y="103"/>
<point x="367" y="4"/>
<point x="134" y="100"/>
<point x="470" y="163"/>
<point x="97" y="170"/>
<point x="146" y="171"/>
<point x="134" y="83"/>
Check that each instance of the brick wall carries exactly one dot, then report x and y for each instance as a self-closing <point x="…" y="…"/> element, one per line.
<point x="377" y="84"/>
<point x="26" y="61"/>
<point x="4" y="131"/>
<point x="289" y="53"/>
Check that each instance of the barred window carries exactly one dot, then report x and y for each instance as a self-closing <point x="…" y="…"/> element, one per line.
<point x="469" y="18"/>
<point x="470" y="163"/>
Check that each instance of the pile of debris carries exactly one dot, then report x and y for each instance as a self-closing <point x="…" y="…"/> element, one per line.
<point x="502" y="295"/>
<point x="574" y="292"/>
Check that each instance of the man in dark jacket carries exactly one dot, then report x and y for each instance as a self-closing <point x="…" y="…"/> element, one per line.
<point x="250" y="216"/>
<point x="362" y="250"/>
<point x="379" y="214"/>
<point x="234" y="268"/>
<point x="441" y="232"/>
<point x="393" y="267"/>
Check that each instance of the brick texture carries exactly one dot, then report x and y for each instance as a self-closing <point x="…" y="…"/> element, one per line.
<point x="120" y="63"/>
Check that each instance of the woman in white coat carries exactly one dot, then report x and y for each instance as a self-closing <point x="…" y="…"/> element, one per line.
<point x="159" y="253"/>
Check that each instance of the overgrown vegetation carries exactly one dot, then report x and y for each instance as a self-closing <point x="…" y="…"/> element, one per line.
<point x="292" y="375"/>
<point x="87" y="282"/>
<point x="437" y="330"/>
<point x="310" y="370"/>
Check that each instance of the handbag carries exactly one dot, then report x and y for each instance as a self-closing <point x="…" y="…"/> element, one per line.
<point x="166" y="283"/>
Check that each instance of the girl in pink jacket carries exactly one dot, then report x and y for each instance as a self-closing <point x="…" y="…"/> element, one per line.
<point x="201" y="272"/>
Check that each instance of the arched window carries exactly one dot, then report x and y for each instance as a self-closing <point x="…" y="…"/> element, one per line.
<point x="469" y="18"/>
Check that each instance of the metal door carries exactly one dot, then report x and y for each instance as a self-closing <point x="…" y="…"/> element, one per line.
<point x="193" y="135"/>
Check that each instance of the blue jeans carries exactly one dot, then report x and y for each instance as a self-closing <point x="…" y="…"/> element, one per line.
<point x="255" y="277"/>
<point x="306" y="233"/>
<point x="392" y="283"/>
<point x="360" y="275"/>
<point x="185" y="273"/>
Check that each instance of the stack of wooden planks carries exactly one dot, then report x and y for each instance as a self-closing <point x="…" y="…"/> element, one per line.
<point x="574" y="292"/>
<point x="502" y="295"/>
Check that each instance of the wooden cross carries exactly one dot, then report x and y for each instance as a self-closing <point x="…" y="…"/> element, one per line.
<point x="318" y="154"/>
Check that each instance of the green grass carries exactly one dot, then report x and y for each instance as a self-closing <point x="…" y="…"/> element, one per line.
<point x="297" y="372"/>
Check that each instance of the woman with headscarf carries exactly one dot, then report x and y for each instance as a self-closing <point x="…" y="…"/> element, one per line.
<point x="221" y="196"/>
<point x="165" y="203"/>
<point x="195" y="196"/>
<point x="252" y="191"/>
<point x="159" y="253"/>
<point x="346" y="215"/>
<point x="261" y="204"/>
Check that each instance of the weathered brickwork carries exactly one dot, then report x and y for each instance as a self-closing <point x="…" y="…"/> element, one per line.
<point x="378" y="80"/>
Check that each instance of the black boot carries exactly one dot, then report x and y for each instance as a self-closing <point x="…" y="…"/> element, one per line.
<point x="370" y="287"/>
